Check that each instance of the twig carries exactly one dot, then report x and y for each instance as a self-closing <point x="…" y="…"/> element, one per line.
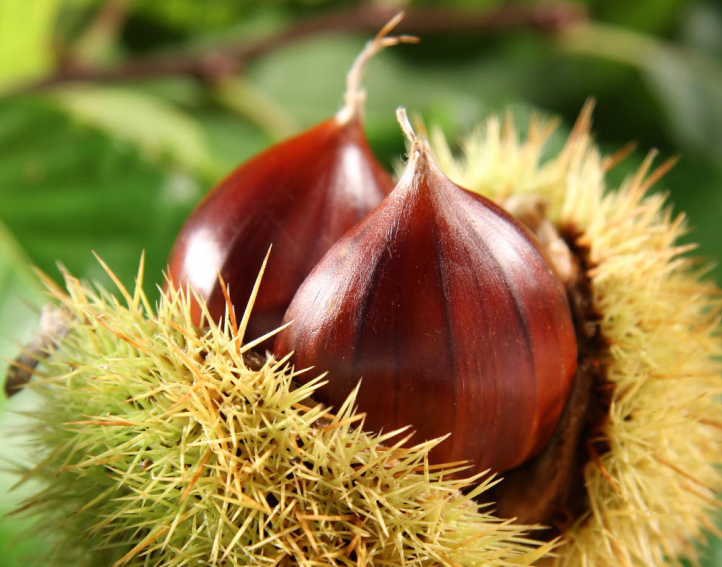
<point x="94" y="42"/>
<point x="220" y="61"/>
<point x="108" y="21"/>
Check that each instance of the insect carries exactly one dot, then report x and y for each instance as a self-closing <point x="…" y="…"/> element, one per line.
<point x="54" y="325"/>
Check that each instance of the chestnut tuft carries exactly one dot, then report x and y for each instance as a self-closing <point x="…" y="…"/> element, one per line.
<point x="300" y="195"/>
<point x="450" y="314"/>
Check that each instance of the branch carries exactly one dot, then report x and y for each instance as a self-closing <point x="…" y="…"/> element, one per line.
<point x="100" y="34"/>
<point x="222" y="60"/>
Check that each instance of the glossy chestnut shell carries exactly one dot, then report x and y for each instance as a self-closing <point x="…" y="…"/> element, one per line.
<point x="300" y="196"/>
<point x="447" y="310"/>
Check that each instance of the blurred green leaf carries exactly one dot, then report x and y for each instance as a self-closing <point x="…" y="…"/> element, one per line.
<point x="67" y="189"/>
<point x="694" y="189"/>
<point x="688" y="84"/>
<point x="643" y="15"/>
<point x="695" y="185"/>
<point x="181" y="91"/>
<point x="25" y="39"/>
<point x="690" y="87"/>
<point x="307" y="79"/>
<point x="160" y="129"/>
<point x="708" y="550"/>
<point x="713" y="553"/>
<point x="242" y="97"/>
<point x="232" y="139"/>
<point x="194" y="15"/>
<point x="701" y="28"/>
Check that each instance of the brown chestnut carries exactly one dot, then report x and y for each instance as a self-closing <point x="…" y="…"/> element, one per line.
<point x="449" y="313"/>
<point x="300" y="196"/>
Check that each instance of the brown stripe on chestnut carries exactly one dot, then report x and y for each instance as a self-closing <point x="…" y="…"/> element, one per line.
<point x="445" y="307"/>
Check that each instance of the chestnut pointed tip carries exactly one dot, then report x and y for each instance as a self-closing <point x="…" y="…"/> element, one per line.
<point x="407" y="128"/>
<point x="419" y="147"/>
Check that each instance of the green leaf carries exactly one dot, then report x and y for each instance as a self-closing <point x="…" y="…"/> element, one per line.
<point x="708" y="549"/>
<point x="695" y="185"/>
<point x="157" y="127"/>
<point x="690" y="87"/>
<point x="713" y="552"/>
<point x="644" y="15"/>
<point x="67" y="189"/>
<point x="193" y="15"/>
<point x="232" y="139"/>
<point x="25" y="39"/>
<point x="688" y="84"/>
<point x="701" y="28"/>
<point x="244" y="99"/>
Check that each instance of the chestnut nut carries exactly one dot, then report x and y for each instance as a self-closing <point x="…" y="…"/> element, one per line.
<point x="300" y="196"/>
<point x="445" y="307"/>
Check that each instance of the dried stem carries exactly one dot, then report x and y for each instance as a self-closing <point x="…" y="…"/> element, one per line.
<point x="355" y="94"/>
<point x="222" y="60"/>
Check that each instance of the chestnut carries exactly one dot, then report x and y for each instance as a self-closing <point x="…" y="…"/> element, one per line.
<point x="300" y="196"/>
<point x="447" y="310"/>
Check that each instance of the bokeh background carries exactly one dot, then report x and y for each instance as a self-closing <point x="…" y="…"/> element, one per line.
<point x="116" y="116"/>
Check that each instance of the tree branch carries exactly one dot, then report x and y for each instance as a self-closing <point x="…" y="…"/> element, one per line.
<point x="222" y="60"/>
<point x="100" y="34"/>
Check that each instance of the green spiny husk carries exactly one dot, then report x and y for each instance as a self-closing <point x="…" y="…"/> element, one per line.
<point x="653" y="493"/>
<point x="157" y="445"/>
